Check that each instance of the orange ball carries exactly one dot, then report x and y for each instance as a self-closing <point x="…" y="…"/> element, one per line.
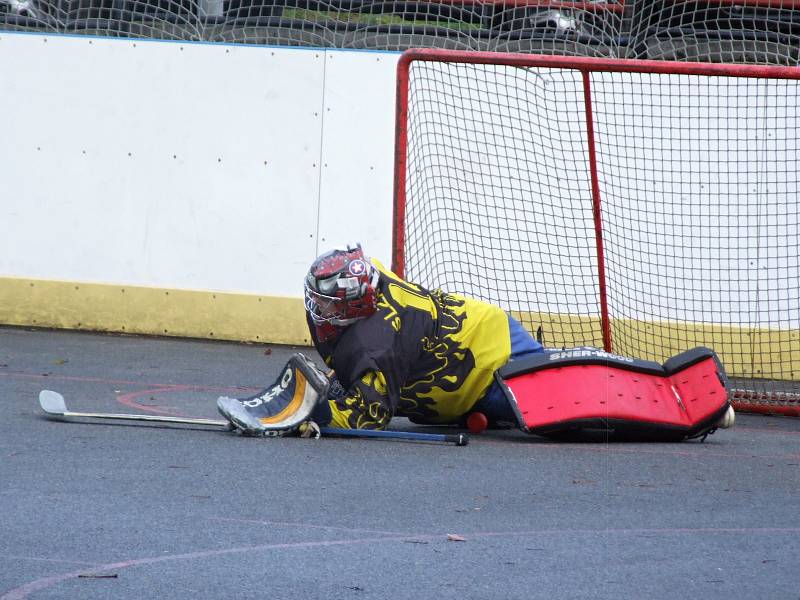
<point x="477" y="422"/>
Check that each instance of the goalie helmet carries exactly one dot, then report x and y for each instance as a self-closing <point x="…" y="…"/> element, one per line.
<point x="340" y="289"/>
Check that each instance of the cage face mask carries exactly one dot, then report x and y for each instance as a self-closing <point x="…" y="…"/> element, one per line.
<point x="340" y="288"/>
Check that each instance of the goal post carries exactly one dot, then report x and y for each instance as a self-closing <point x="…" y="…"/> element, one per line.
<point x="645" y="207"/>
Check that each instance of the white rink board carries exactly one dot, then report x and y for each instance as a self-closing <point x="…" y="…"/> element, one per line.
<point x="358" y="151"/>
<point x="192" y="166"/>
<point x="224" y="167"/>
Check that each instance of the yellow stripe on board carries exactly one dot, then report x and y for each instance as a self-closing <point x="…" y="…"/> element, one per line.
<point x="758" y="353"/>
<point x="153" y="311"/>
<point x="562" y="329"/>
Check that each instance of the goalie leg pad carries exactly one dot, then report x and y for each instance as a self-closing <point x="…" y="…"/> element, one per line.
<point x="586" y="389"/>
<point x="281" y="408"/>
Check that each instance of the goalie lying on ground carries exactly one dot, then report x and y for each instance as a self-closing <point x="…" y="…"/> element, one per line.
<point x="399" y="349"/>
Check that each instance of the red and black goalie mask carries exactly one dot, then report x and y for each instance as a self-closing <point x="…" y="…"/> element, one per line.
<point x="340" y="290"/>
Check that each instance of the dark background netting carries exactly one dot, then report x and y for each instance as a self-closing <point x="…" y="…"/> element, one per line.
<point x="748" y="31"/>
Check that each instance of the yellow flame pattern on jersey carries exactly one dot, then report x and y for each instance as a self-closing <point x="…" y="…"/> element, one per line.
<point x="469" y="341"/>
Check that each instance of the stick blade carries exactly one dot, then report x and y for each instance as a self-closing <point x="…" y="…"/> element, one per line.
<point x="52" y="403"/>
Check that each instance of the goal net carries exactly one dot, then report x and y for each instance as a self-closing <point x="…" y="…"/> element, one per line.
<point x="640" y="206"/>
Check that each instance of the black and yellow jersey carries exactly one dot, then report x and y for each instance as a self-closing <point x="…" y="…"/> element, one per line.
<point x="428" y="356"/>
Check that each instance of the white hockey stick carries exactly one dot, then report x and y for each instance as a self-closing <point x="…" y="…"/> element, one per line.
<point x="53" y="404"/>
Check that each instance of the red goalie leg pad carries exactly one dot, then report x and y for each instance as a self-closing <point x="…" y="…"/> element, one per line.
<point x="588" y="389"/>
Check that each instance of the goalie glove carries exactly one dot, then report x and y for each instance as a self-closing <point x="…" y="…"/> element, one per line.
<point x="284" y="406"/>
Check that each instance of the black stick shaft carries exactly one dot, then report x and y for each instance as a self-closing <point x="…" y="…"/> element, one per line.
<point x="460" y="439"/>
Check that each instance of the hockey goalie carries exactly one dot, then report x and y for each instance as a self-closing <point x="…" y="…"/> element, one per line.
<point x="394" y="348"/>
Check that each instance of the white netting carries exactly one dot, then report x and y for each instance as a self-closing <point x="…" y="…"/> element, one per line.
<point x="698" y="179"/>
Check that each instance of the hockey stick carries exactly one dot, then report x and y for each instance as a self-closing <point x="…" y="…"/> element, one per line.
<point x="461" y="439"/>
<point x="53" y="404"/>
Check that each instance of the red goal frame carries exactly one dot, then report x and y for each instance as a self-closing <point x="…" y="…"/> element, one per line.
<point x="586" y="66"/>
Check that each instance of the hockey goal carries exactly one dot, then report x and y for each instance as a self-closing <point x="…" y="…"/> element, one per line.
<point x="645" y="207"/>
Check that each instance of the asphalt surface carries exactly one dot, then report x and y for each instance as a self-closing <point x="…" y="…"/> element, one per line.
<point x="129" y="511"/>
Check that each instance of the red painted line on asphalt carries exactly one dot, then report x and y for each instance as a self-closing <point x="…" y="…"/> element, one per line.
<point x="129" y="399"/>
<point x="22" y="592"/>
<point x="164" y="386"/>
